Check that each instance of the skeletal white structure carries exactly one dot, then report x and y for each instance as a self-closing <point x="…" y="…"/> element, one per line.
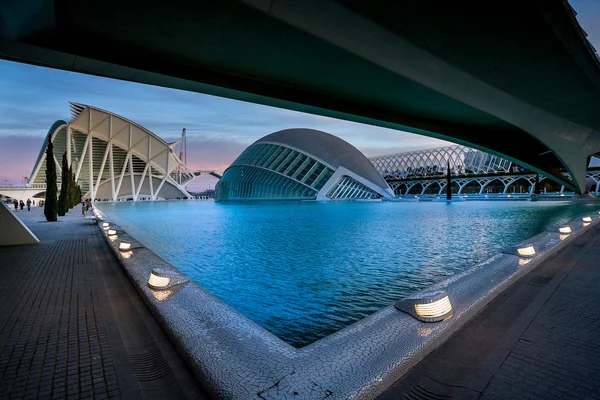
<point x="114" y="158"/>
<point x="433" y="162"/>
<point x="419" y="169"/>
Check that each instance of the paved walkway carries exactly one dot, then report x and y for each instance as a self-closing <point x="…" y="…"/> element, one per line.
<point x="540" y="339"/>
<point x="73" y="326"/>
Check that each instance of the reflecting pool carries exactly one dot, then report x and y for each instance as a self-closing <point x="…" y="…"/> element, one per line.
<point x="305" y="270"/>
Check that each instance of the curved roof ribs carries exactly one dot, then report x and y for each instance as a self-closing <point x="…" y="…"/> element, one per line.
<point x="131" y="159"/>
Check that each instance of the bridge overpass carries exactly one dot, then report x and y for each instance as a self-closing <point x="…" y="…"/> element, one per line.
<point x="24" y="192"/>
<point x="516" y="78"/>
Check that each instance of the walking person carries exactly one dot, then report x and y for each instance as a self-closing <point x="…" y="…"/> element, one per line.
<point x="83" y="208"/>
<point x="16" y="204"/>
<point x="28" y="205"/>
<point x="21" y="204"/>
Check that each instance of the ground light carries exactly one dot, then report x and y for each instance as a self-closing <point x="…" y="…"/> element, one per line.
<point x="158" y="280"/>
<point x="565" y="229"/>
<point x="162" y="278"/>
<point x="112" y="232"/>
<point x="587" y="219"/>
<point x="527" y="251"/>
<point x="124" y="246"/>
<point x="427" y="306"/>
<point x="105" y="224"/>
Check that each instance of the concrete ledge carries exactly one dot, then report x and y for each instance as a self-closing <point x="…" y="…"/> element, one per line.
<point x="236" y="358"/>
<point x="13" y="231"/>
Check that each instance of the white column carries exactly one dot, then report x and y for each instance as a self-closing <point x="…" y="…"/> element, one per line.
<point x="90" y="156"/>
<point x="150" y="170"/>
<point x="69" y="144"/>
<point x="111" y="165"/>
<point x="131" y="162"/>
<point x="83" y="154"/>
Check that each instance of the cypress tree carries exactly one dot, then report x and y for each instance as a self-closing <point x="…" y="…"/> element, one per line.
<point x="536" y="187"/>
<point x="63" y="202"/>
<point x="73" y="188"/>
<point x="448" y="184"/>
<point x="50" y="202"/>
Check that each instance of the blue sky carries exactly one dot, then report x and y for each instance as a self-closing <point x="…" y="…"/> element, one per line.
<point x="218" y="129"/>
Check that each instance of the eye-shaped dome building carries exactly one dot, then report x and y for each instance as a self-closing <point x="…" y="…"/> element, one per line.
<point x="301" y="164"/>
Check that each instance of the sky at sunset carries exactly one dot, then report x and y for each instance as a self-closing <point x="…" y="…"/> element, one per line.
<point x="218" y="129"/>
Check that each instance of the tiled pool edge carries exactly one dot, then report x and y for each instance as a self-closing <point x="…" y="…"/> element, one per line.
<point x="236" y="358"/>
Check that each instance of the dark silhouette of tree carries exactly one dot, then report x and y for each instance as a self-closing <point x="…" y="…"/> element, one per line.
<point x="448" y="184"/>
<point x="536" y="187"/>
<point x="71" y="193"/>
<point x="63" y="201"/>
<point x="50" y="202"/>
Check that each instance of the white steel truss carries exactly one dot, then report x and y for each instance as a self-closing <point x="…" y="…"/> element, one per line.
<point x="433" y="162"/>
<point x="105" y="150"/>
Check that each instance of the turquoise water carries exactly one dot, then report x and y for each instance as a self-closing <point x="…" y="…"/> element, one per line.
<point x="305" y="270"/>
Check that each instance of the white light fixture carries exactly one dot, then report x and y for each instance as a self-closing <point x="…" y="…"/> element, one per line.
<point x="105" y="224"/>
<point x="124" y="246"/>
<point x="587" y="219"/>
<point x="565" y="229"/>
<point x="112" y="232"/>
<point x="162" y="278"/>
<point x="112" y="238"/>
<point x="562" y="194"/>
<point x="427" y="307"/>
<point x="157" y="281"/>
<point x="527" y="251"/>
<point x="127" y="254"/>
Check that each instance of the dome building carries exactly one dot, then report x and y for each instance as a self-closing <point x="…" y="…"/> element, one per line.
<point x="301" y="164"/>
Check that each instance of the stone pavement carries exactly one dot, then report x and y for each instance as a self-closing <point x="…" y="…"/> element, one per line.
<point x="540" y="339"/>
<point x="73" y="326"/>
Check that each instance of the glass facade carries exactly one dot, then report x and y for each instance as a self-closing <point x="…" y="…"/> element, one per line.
<point x="349" y="188"/>
<point x="267" y="171"/>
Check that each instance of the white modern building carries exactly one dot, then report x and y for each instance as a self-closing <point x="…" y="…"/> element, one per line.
<point x="112" y="158"/>
<point x="301" y="164"/>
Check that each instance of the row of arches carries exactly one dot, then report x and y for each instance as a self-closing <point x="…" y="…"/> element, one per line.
<point x="502" y="184"/>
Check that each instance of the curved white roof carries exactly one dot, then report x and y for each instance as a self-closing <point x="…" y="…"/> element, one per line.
<point x="329" y="149"/>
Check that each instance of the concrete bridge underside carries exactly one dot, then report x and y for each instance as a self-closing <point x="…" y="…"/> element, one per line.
<point x="516" y="78"/>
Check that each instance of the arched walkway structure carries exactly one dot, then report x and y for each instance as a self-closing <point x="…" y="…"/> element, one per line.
<point x="421" y="169"/>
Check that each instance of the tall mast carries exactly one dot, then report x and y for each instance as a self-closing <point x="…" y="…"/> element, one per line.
<point x="182" y="147"/>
